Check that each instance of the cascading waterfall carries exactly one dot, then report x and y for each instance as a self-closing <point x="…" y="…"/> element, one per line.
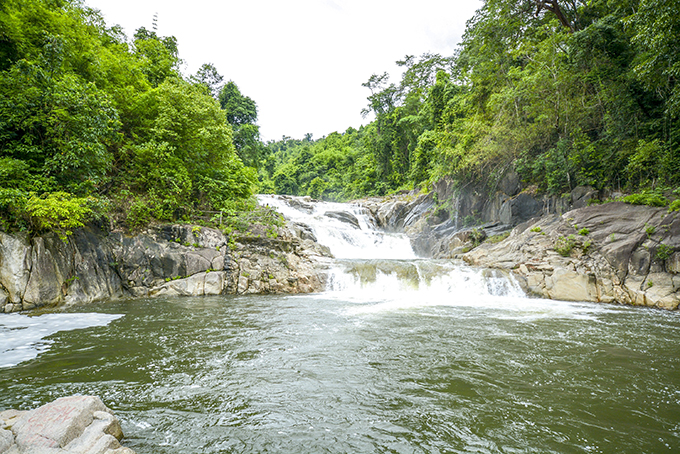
<point x="373" y="265"/>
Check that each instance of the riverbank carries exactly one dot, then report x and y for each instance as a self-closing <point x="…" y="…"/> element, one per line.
<point x="558" y="249"/>
<point x="93" y="265"/>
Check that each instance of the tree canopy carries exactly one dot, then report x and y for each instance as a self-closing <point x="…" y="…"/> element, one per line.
<point x="565" y="93"/>
<point x="107" y="121"/>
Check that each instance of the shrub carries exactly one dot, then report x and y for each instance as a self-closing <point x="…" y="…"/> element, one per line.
<point x="59" y="211"/>
<point x="663" y="252"/>
<point x="584" y="231"/>
<point x="564" y="245"/>
<point x="650" y="198"/>
<point x="139" y="214"/>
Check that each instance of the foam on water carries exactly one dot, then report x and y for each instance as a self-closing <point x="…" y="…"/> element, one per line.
<point x="23" y="338"/>
<point x="378" y="271"/>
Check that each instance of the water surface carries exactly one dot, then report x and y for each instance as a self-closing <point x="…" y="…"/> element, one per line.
<point x="399" y="355"/>
<point x="311" y="374"/>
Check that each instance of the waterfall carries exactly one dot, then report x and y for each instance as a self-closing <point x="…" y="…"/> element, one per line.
<point x="372" y="265"/>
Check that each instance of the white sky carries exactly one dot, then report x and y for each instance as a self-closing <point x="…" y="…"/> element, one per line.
<point x="301" y="61"/>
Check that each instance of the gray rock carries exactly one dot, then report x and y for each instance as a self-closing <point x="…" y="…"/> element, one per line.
<point x="69" y="425"/>
<point x="15" y="265"/>
<point x="581" y="195"/>
<point x="519" y="209"/>
<point x="345" y="217"/>
<point x="614" y="262"/>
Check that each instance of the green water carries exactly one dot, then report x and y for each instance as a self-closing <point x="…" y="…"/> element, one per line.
<point x="318" y="374"/>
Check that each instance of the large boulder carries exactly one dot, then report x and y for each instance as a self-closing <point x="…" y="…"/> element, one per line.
<point x="345" y="217"/>
<point x="520" y="209"/>
<point x="69" y="425"/>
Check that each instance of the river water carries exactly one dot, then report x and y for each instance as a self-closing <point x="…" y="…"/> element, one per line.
<point x="400" y="355"/>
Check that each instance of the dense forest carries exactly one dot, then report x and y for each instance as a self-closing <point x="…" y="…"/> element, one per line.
<point x="564" y="93"/>
<point x="96" y="125"/>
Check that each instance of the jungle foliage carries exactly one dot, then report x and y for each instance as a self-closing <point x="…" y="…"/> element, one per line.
<point x="94" y="124"/>
<point x="565" y="93"/>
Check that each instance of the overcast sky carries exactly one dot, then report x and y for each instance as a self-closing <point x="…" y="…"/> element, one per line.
<point x="301" y="61"/>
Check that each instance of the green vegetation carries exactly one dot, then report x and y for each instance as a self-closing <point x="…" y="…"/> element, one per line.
<point x="95" y="124"/>
<point x="650" y="230"/>
<point x="584" y="231"/>
<point x="647" y="197"/>
<point x="581" y="93"/>
<point x="536" y="229"/>
<point x="497" y="238"/>
<point x="564" y="245"/>
<point x="663" y="252"/>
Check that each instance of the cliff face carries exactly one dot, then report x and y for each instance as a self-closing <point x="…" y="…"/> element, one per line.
<point x="166" y="260"/>
<point x="606" y="253"/>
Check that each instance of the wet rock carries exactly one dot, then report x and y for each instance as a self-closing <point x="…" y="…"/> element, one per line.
<point x="345" y="217"/>
<point x="166" y="260"/>
<point x="302" y="231"/>
<point x="69" y="425"/>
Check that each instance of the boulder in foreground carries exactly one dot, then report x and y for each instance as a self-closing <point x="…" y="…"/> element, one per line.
<point x="69" y="425"/>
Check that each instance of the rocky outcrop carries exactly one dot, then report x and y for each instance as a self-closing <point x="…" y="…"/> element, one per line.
<point x="613" y="252"/>
<point x="69" y="425"/>
<point x="449" y="221"/>
<point x="166" y="260"/>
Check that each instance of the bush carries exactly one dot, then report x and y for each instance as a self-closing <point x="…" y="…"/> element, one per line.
<point x="564" y="245"/>
<point x="663" y="252"/>
<point x="59" y="211"/>
<point x="650" y="198"/>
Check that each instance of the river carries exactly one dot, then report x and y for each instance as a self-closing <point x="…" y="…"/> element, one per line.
<point x="399" y="355"/>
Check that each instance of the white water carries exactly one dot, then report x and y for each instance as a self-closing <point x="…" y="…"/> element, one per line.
<point x="344" y="240"/>
<point x="376" y="271"/>
<point x="376" y="266"/>
<point x="23" y="337"/>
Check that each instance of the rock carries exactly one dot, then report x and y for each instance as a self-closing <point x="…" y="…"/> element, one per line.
<point x="15" y="265"/>
<point x="94" y="266"/>
<point x="519" y="209"/>
<point x="344" y="216"/>
<point x="612" y="256"/>
<point x="45" y="281"/>
<point x="302" y="204"/>
<point x="581" y="195"/>
<point x="302" y="231"/>
<point x="69" y="425"/>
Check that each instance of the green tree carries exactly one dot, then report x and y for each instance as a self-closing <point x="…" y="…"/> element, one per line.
<point x="242" y="116"/>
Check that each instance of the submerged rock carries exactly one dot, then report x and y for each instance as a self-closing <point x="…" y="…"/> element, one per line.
<point x="69" y="425"/>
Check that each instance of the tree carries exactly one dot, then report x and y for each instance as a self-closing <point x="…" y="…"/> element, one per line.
<point x="208" y="76"/>
<point x="242" y="116"/>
